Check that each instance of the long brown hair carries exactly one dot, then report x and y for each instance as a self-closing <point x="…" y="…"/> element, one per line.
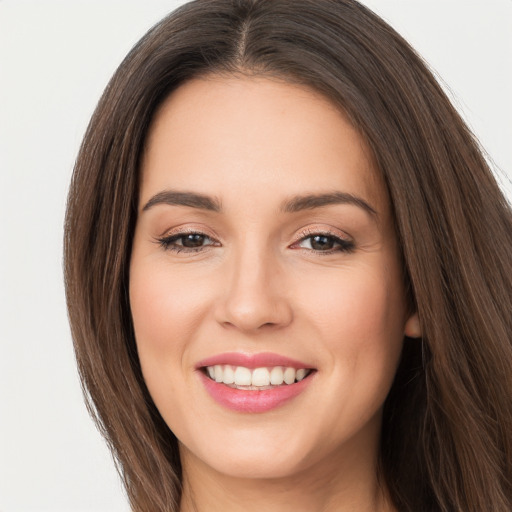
<point x="446" y="439"/>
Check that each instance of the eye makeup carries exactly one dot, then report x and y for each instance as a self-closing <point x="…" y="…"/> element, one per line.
<point x="323" y="242"/>
<point x="312" y="240"/>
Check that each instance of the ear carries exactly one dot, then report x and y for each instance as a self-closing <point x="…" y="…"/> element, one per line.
<point x="412" y="327"/>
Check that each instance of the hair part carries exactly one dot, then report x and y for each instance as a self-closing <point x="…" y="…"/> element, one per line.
<point x="447" y="431"/>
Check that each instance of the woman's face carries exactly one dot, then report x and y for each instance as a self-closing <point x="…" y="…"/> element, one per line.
<point x="265" y="284"/>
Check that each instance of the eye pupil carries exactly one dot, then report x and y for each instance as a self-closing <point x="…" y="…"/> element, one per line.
<point x="322" y="242"/>
<point x="193" y="240"/>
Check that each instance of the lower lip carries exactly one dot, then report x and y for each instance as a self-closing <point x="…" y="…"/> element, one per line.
<point x="253" y="401"/>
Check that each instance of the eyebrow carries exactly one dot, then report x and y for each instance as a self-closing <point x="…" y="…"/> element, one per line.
<point x="190" y="199"/>
<point x="312" y="201"/>
<point x="292" y="205"/>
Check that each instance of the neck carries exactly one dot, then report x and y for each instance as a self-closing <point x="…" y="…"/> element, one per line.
<point x="354" y="487"/>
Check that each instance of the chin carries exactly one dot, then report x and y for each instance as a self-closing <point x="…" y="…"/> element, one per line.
<point x="259" y="459"/>
<point x="259" y="467"/>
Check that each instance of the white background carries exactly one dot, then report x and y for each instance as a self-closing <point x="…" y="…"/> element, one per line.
<point x="55" y="59"/>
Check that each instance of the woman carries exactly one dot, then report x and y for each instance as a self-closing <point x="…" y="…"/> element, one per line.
<point x="288" y="271"/>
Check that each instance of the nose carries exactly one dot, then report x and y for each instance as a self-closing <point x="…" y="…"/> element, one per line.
<point x="254" y="297"/>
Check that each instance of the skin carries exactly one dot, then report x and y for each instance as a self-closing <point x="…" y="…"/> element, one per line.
<point x="257" y="284"/>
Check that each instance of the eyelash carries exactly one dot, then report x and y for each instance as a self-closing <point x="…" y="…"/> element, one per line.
<point x="168" y="243"/>
<point x="344" y="245"/>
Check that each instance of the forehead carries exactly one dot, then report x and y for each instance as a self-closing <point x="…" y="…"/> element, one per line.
<point x="225" y="133"/>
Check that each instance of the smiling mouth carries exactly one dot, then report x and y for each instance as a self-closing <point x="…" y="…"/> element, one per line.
<point x="255" y="379"/>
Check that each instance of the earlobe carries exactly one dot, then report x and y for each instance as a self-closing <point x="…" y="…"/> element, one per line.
<point x="412" y="327"/>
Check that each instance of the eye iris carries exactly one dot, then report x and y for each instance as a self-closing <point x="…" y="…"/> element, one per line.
<point x="193" y="240"/>
<point x="322" y="242"/>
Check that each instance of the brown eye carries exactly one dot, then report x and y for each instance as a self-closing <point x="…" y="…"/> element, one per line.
<point x="322" y="242"/>
<point x="325" y="243"/>
<point x="186" y="242"/>
<point x="193" y="240"/>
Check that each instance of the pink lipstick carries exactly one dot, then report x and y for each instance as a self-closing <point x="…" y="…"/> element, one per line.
<point x="253" y="383"/>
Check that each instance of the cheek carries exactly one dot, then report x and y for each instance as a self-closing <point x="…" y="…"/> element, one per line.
<point x="165" y="310"/>
<point x="148" y="301"/>
<point x="365" y="299"/>
<point x="359" y="315"/>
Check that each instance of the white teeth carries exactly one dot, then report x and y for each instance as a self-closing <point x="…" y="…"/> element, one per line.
<point x="276" y="376"/>
<point x="257" y="378"/>
<point x="260" y="377"/>
<point x="243" y="376"/>
<point x="300" y="374"/>
<point x="229" y="375"/>
<point x="289" y="375"/>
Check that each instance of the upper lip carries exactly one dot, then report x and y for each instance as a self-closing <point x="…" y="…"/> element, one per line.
<point x="260" y="360"/>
